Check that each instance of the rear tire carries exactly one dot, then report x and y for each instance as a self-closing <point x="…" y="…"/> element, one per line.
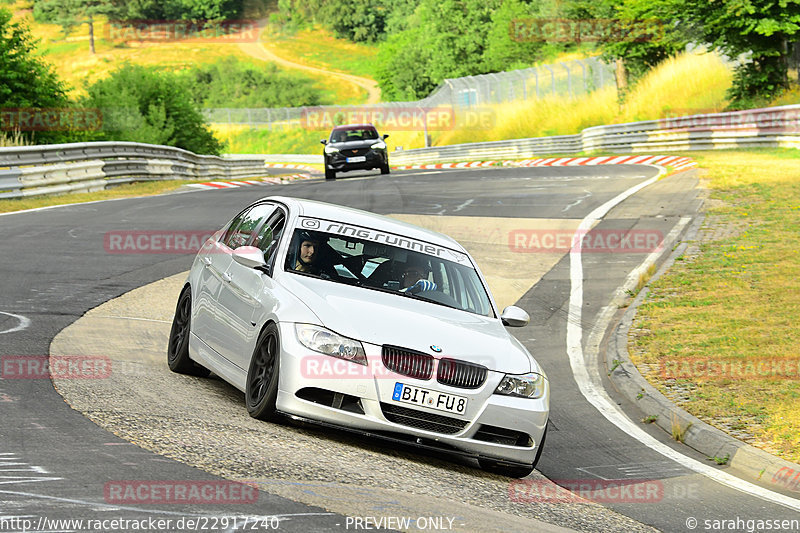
<point x="261" y="391"/>
<point x="178" y="347"/>
<point x="515" y="471"/>
<point x="330" y="174"/>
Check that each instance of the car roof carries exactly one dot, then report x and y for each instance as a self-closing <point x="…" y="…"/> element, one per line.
<point x="357" y="217"/>
<point x="353" y="127"/>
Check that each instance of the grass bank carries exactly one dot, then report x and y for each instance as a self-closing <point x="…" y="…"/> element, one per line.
<point x="685" y="85"/>
<point x="76" y="65"/>
<point x="719" y="332"/>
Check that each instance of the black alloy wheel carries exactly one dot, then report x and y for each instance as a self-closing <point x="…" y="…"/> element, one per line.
<point x="178" y="346"/>
<point x="262" y="377"/>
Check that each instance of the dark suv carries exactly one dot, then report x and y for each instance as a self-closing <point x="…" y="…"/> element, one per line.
<point x="354" y="147"/>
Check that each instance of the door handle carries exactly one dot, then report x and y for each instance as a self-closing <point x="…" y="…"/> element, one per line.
<point x="207" y="261"/>
<point x="227" y="277"/>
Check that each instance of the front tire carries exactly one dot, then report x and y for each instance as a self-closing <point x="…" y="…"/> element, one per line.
<point x="330" y="174"/>
<point x="385" y="168"/>
<point x="261" y="390"/>
<point x="178" y="347"/>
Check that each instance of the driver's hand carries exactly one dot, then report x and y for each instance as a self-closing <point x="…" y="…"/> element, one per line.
<point x="420" y="286"/>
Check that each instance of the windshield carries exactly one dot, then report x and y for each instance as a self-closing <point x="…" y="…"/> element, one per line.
<point x="388" y="263"/>
<point x="353" y="134"/>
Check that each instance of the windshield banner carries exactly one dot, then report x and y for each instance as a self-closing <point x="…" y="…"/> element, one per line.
<point x="407" y="243"/>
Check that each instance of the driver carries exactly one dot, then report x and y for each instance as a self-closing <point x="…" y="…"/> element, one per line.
<point x="308" y="252"/>
<point x="414" y="278"/>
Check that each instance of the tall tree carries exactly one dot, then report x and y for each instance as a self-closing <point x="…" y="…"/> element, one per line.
<point x="69" y="14"/>
<point x="25" y="79"/>
<point x="635" y="34"/>
<point x="759" y="32"/>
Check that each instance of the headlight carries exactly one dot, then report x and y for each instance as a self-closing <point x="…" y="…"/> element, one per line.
<point x="331" y="149"/>
<point x="325" y="341"/>
<point x="380" y="145"/>
<point x="526" y="385"/>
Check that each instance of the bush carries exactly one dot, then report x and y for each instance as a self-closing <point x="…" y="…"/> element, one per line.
<point x="145" y="105"/>
<point x="231" y="83"/>
<point x="26" y="82"/>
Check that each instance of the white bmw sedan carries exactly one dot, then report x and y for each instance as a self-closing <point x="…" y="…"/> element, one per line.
<point x="342" y="317"/>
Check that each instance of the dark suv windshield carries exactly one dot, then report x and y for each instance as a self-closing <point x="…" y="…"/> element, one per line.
<point x="396" y="269"/>
<point x="355" y="134"/>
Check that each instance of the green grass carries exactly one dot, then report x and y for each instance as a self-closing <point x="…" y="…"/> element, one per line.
<point x="319" y="48"/>
<point x="76" y="65"/>
<point x="244" y="140"/>
<point x="738" y="300"/>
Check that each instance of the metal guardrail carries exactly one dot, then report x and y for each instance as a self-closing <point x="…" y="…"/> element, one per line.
<point x="768" y="127"/>
<point x="60" y="168"/>
<point x="48" y="169"/>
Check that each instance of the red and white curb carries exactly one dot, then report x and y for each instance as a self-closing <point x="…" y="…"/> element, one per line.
<point x="470" y="164"/>
<point x="293" y="166"/>
<point x="675" y="162"/>
<point x="282" y="180"/>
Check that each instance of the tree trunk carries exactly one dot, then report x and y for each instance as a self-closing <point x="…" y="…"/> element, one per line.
<point x="622" y="76"/>
<point x="91" y="34"/>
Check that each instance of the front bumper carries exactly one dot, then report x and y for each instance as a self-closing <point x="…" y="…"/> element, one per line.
<point x="338" y="161"/>
<point x="353" y="396"/>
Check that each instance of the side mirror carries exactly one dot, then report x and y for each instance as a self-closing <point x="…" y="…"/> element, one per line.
<point x="385" y="135"/>
<point x="324" y="141"/>
<point x="514" y="317"/>
<point x="249" y="256"/>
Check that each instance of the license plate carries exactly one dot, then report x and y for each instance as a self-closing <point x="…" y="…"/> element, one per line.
<point x="441" y="401"/>
<point x="357" y="159"/>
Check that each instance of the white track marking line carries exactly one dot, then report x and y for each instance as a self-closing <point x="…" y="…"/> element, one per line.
<point x="591" y="386"/>
<point x="24" y="322"/>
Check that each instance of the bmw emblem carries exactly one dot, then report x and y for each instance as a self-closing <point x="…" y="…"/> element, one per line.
<point x="436" y="349"/>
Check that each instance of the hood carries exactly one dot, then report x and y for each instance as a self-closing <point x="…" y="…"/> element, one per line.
<point x="349" y="145"/>
<point x="380" y="318"/>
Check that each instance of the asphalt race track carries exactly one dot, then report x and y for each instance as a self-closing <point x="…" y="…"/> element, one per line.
<point x="55" y="463"/>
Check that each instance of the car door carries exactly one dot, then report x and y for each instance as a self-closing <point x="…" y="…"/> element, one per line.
<point x="215" y="257"/>
<point x="245" y="289"/>
<point x="217" y="265"/>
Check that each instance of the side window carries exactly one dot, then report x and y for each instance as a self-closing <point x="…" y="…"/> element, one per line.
<point x="240" y="232"/>
<point x="269" y="235"/>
